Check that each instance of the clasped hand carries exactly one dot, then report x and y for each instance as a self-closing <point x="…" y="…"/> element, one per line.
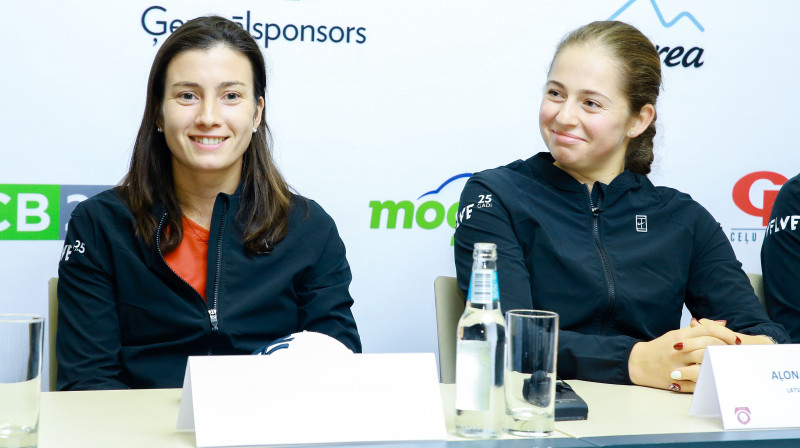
<point x="672" y="361"/>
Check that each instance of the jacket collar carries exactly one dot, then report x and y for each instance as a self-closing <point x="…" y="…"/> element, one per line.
<point x="159" y="208"/>
<point x="542" y="166"/>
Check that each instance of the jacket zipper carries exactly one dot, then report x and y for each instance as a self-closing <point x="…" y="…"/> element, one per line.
<point x="211" y="309"/>
<point x="596" y="210"/>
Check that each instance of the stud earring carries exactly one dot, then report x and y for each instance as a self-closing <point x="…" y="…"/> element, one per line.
<point x="159" y="129"/>
<point x="630" y="133"/>
<point x="255" y="130"/>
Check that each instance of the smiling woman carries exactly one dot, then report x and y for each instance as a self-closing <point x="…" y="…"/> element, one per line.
<point x="581" y="230"/>
<point x="585" y="119"/>
<point x="202" y="249"/>
<point x="209" y="113"/>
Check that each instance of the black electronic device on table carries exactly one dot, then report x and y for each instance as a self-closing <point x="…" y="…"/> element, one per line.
<point x="568" y="404"/>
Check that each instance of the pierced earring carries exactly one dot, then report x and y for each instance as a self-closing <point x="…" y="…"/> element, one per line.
<point x="159" y="129"/>
<point x="631" y="133"/>
<point x="255" y="130"/>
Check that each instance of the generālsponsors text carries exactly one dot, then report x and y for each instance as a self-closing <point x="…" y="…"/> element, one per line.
<point x="156" y="22"/>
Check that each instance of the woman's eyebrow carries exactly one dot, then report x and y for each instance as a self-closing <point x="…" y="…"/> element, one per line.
<point x="582" y="91"/>
<point x="220" y="85"/>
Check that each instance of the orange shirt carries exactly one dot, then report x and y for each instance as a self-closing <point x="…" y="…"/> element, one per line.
<point x="190" y="259"/>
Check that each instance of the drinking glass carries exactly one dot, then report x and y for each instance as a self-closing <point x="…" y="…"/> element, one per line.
<point x="20" y="379"/>
<point x="530" y="372"/>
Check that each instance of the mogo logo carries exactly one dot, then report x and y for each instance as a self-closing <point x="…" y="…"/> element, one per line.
<point x="427" y="215"/>
<point x="40" y="212"/>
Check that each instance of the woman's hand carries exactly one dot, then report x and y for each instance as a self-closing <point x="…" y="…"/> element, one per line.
<point x="672" y="361"/>
<point x="745" y="338"/>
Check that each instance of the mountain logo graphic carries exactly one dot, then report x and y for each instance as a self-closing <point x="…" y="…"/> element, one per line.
<point x="436" y="191"/>
<point x="664" y="22"/>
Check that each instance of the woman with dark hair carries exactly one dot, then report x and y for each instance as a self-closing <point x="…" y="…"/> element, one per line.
<point x="202" y="249"/>
<point x="581" y="230"/>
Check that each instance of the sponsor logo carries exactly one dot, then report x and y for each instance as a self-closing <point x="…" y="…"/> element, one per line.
<point x="760" y="183"/>
<point x="742" y="192"/>
<point x="743" y="415"/>
<point x="40" y="212"/>
<point x="641" y="223"/>
<point x="428" y="214"/>
<point x="685" y="56"/>
<point x="158" y="22"/>
<point x="666" y="23"/>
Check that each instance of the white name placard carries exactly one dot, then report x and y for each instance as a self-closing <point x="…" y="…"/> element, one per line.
<point x="750" y="386"/>
<point x="287" y="400"/>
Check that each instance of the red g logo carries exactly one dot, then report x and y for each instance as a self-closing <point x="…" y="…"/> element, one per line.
<point x="741" y="194"/>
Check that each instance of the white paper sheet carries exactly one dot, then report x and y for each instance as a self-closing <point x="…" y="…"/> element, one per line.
<point x="750" y="386"/>
<point x="262" y="400"/>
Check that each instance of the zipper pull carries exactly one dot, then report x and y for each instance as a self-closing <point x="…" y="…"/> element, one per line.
<point x="212" y="313"/>
<point x="596" y="211"/>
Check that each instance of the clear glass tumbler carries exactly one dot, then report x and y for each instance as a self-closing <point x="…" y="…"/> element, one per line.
<point x="20" y="379"/>
<point x="530" y="372"/>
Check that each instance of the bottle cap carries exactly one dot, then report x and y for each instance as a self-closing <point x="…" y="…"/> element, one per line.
<point x="485" y="250"/>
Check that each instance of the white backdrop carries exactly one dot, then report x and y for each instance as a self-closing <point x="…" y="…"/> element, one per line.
<point x="423" y="91"/>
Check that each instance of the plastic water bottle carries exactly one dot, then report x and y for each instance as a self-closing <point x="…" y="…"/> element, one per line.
<point x="481" y="338"/>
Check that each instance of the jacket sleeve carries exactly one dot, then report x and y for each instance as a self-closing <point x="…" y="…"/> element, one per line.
<point x="580" y="356"/>
<point x="88" y="337"/>
<point x="602" y="359"/>
<point x="483" y="218"/>
<point x="780" y="260"/>
<point x="718" y="288"/>
<point x="324" y="296"/>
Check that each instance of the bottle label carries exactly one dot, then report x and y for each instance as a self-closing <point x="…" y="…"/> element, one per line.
<point x="483" y="287"/>
<point x="474" y="371"/>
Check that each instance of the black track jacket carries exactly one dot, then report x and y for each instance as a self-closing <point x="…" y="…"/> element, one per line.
<point x="126" y="320"/>
<point x="616" y="265"/>
<point x="780" y="259"/>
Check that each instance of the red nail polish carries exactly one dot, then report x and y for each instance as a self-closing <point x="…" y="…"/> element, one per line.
<point x="738" y="341"/>
<point x="678" y="346"/>
<point x="675" y="387"/>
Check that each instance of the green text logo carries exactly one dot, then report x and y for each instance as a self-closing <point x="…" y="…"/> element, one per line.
<point x="40" y="212"/>
<point x="429" y="215"/>
<point x="29" y="212"/>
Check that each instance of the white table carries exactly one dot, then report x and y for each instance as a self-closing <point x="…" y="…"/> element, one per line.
<point x="146" y="418"/>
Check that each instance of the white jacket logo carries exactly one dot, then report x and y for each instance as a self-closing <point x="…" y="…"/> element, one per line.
<point x="484" y="201"/>
<point x="78" y="247"/>
<point x="641" y="223"/>
<point x="781" y="223"/>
